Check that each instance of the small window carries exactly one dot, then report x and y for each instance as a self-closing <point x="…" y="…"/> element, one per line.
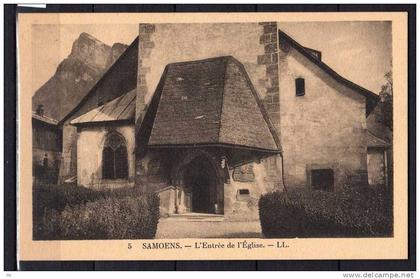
<point x="243" y="192"/>
<point x="300" y="86"/>
<point x="243" y="195"/>
<point x="322" y="179"/>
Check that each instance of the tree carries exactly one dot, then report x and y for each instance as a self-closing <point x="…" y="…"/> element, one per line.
<point x="386" y="100"/>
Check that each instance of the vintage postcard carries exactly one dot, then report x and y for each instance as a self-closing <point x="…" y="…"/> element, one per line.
<point x="212" y="136"/>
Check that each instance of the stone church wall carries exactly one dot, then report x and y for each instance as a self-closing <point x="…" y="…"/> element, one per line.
<point x="246" y="185"/>
<point x="159" y="172"/>
<point x="90" y="143"/>
<point x="255" y="46"/>
<point x="325" y="128"/>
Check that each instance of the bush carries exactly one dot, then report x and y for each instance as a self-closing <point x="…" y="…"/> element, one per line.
<point x="352" y="212"/>
<point x="57" y="197"/>
<point x="106" y="218"/>
<point x="279" y="214"/>
<point x="64" y="211"/>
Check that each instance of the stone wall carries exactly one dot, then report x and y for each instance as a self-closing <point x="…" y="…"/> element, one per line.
<point x="68" y="165"/>
<point x="271" y="98"/>
<point x="153" y="170"/>
<point x="325" y="128"/>
<point x="253" y="44"/>
<point x="269" y="60"/>
<point x="376" y="166"/>
<point x="246" y="185"/>
<point x="90" y="143"/>
<point x="146" y="46"/>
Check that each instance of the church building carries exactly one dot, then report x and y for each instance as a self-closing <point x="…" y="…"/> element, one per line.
<point x="210" y="116"/>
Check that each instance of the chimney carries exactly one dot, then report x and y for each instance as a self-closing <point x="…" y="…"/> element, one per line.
<point x="40" y="110"/>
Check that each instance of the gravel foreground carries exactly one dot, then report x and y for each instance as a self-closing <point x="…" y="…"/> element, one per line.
<point x="170" y="228"/>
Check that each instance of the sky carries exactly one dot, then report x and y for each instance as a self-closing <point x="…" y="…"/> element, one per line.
<point x="53" y="43"/>
<point x="359" y="51"/>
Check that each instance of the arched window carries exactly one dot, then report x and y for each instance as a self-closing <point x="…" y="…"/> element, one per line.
<point x="114" y="158"/>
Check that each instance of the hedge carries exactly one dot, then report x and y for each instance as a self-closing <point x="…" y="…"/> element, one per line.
<point x="357" y="211"/>
<point x="74" y="212"/>
<point x="57" y="197"/>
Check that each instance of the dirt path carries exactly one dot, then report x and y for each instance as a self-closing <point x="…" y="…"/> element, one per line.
<point x="173" y="228"/>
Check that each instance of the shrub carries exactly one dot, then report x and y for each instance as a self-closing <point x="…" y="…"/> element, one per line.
<point x="353" y="212"/>
<point x="57" y="197"/>
<point x="279" y="214"/>
<point x="106" y="218"/>
<point x="52" y="203"/>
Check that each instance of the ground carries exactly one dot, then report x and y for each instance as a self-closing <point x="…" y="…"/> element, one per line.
<point x="173" y="227"/>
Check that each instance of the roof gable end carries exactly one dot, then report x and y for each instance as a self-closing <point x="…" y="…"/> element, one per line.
<point x="371" y="98"/>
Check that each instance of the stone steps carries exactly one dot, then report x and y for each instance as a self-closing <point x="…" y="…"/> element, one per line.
<point x="196" y="217"/>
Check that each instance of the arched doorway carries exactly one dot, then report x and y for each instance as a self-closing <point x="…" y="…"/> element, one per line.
<point x="201" y="183"/>
<point x="200" y="186"/>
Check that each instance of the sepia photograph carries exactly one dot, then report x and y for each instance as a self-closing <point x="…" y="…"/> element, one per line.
<point x="212" y="136"/>
<point x="212" y="130"/>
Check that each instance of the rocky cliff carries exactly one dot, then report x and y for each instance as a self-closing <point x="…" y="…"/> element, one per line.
<point x="75" y="75"/>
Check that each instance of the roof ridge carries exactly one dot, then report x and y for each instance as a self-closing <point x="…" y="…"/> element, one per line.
<point x="376" y="136"/>
<point x="326" y="68"/>
<point x="260" y="105"/>
<point x="222" y="101"/>
<point x="200" y="60"/>
<point x="44" y="118"/>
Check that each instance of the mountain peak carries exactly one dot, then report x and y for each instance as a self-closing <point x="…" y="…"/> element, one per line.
<point x="85" y="35"/>
<point x="90" y="50"/>
<point x="75" y="75"/>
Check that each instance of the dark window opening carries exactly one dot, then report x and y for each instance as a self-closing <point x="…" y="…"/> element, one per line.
<point x="300" y="86"/>
<point x="243" y="192"/>
<point x="114" y="158"/>
<point x="322" y="179"/>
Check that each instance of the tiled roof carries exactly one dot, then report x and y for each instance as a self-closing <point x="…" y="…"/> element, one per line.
<point x="44" y="118"/>
<point x="209" y="102"/>
<point x="374" y="141"/>
<point x="121" y="108"/>
<point x="114" y="74"/>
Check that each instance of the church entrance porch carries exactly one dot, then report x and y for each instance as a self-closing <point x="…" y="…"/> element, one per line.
<point x="200" y="188"/>
<point x="199" y="185"/>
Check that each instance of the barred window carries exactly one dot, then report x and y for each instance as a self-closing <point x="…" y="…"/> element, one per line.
<point x="114" y="158"/>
